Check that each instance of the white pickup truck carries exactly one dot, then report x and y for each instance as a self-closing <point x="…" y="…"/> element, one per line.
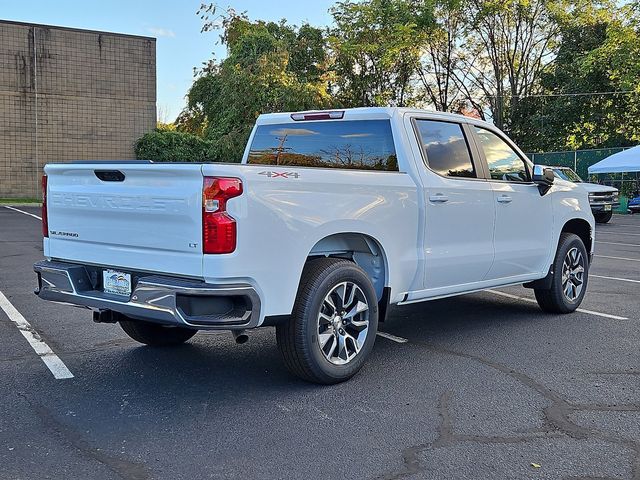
<point x="331" y="217"/>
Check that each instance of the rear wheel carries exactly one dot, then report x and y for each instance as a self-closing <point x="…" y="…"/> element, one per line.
<point x="603" y="217"/>
<point x="570" y="275"/>
<point x="155" y="334"/>
<point x="334" y="322"/>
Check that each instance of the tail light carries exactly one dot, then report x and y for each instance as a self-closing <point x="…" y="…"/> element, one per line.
<point x="218" y="227"/>
<point x="45" y="220"/>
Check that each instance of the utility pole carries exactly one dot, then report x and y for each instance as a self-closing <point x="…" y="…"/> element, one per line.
<point x="280" y="148"/>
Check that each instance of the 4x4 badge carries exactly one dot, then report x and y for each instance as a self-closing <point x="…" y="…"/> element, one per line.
<point x="272" y="174"/>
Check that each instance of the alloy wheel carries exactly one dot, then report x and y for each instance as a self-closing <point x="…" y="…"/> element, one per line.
<point x="343" y="323"/>
<point x="573" y="274"/>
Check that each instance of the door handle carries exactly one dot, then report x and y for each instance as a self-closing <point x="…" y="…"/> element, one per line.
<point x="504" y="199"/>
<point x="438" y="198"/>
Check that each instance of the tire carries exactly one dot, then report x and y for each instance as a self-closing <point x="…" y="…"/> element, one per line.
<point x="156" y="335"/>
<point x="326" y="282"/>
<point x="566" y="297"/>
<point x="603" y="217"/>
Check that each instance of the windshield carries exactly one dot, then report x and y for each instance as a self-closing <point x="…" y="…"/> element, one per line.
<point x="567" y="174"/>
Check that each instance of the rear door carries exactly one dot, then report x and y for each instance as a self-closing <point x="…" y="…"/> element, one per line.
<point x="460" y="210"/>
<point x="524" y="218"/>
<point x="135" y="216"/>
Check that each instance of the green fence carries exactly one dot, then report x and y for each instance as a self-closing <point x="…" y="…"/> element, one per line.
<point x="579" y="160"/>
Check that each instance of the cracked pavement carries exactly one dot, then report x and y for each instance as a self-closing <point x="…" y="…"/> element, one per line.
<point x="487" y="387"/>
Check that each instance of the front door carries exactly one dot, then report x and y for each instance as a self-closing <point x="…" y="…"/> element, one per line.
<point x="523" y="216"/>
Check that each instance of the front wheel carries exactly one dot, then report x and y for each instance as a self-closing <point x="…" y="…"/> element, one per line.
<point x="154" y="334"/>
<point x="603" y="217"/>
<point x="570" y="275"/>
<point x="334" y="322"/>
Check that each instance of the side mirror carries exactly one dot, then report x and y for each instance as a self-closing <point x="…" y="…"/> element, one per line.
<point x="543" y="177"/>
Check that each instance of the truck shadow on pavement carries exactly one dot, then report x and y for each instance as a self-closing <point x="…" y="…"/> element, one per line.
<point x="211" y="357"/>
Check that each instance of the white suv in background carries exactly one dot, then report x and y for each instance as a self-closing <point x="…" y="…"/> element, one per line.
<point x="602" y="198"/>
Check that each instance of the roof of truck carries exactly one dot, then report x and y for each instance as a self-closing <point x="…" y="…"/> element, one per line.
<point x="366" y="113"/>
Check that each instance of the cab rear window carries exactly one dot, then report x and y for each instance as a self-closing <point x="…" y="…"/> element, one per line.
<point x="353" y="144"/>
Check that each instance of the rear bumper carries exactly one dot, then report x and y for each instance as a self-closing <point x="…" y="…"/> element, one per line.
<point x="156" y="298"/>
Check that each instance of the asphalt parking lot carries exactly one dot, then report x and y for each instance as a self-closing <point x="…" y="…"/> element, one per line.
<point x="486" y="386"/>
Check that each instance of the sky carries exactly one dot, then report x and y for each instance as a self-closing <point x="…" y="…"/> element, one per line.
<point x="180" y="46"/>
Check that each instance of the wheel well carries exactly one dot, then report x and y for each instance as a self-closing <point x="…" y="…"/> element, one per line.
<point x="362" y="249"/>
<point x="582" y="229"/>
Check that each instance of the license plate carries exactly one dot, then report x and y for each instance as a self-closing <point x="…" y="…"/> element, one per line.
<point x="117" y="283"/>
<point x="607" y="208"/>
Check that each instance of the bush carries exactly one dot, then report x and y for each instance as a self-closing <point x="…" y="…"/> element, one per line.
<point x="171" y="146"/>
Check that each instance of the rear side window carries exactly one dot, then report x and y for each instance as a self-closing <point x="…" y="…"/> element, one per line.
<point x="446" y="148"/>
<point x="349" y="144"/>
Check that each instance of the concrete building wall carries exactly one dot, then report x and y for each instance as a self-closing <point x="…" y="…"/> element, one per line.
<point x="69" y="94"/>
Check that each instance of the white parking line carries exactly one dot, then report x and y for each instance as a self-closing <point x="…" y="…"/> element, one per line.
<point x="393" y="338"/>
<point x="581" y="310"/>
<point x="618" y="233"/>
<point x="615" y="278"/>
<point x="615" y="243"/>
<point x="22" y="211"/>
<point x="50" y="359"/>
<point x="620" y="258"/>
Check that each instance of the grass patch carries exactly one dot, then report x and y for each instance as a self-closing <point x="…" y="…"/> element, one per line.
<point x="19" y="201"/>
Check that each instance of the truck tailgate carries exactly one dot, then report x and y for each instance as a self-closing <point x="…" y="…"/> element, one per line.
<point x="147" y="217"/>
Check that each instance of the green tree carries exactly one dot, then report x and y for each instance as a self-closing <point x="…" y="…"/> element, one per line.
<point x="542" y="70"/>
<point x="442" y="75"/>
<point x="270" y="67"/>
<point x="376" y="45"/>
<point x="164" y="145"/>
<point x="599" y="55"/>
<point x="508" y="44"/>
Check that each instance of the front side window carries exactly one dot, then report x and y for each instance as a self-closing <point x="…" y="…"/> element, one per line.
<point x="348" y="144"/>
<point x="504" y="163"/>
<point x="446" y="148"/>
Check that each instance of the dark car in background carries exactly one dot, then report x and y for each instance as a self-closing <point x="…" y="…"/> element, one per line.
<point x="634" y="204"/>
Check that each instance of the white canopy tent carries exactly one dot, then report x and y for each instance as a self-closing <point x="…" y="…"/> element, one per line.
<point x="622" y="162"/>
